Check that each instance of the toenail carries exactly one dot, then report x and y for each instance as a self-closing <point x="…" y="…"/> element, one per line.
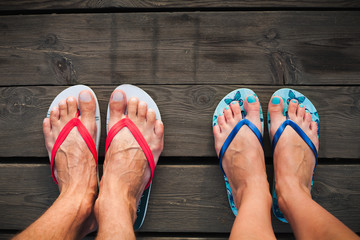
<point x="301" y="105"/>
<point x="54" y="109"/>
<point x="251" y="99"/>
<point x="220" y="114"/>
<point x="275" y="100"/>
<point x="70" y="99"/>
<point x="151" y="110"/>
<point x="306" y="110"/>
<point x="118" y="96"/>
<point x="227" y="108"/>
<point x="85" y="97"/>
<point x="294" y="101"/>
<point x="233" y="103"/>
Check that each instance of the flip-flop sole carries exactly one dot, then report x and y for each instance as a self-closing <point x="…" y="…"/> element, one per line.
<point x="74" y="91"/>
<point x="240" y="96"/>
<point x="133" y="91"/>
<point x="287" y="95"/>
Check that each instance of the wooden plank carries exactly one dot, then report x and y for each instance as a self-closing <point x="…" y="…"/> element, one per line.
<point x="171" y="236"/>
<point x="267" y="48"/>
<point x="184" y="198"/>
<point x="89" y="4"/>
<point x="186" y="112"/>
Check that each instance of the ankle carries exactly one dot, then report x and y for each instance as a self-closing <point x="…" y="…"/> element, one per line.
<point x="288" y="190"/>
<point x="255" y="188"/>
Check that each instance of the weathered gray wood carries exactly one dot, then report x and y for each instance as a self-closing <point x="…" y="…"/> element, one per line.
<point x="184" y="198"/>
<point x="91" y="4"/>
<point x="267" y="48"/>
<point x="187" y="114"/>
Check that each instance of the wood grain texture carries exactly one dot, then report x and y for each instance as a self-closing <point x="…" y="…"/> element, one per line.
<point x="264" y="48"/>
<point x="184" y="198"/>
<point x="93" y="4"/>
<point x="187" y="114"/>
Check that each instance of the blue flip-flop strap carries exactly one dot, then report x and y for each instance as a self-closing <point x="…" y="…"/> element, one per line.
<point x="301" y="133"/>
<point x="233" y="134"/>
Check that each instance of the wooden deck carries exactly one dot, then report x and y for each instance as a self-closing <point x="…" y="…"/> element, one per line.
<point x="187" y="55"/>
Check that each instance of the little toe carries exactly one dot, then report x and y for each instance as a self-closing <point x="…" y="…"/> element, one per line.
<point x="300" y="111"/>
<point x="133" y="107"/>
<point x="46" y="127"/>
<point x="142" y="110"/>
<point x="307" y="118"/>
<point x="235" y="107"/>
<point x="221" y="121"/>
<point x="87" y="105"/>
<point x="159" y="128"/>
<point x="63" y="112"/>
<point x="314" y="127"/>
<point x="228" y="114"/>
<point x="47" y="133"/>
<point x="292" y="109"/>
<point x="54" y="116"/>
<point x="252" y="108"/>
<point x="117" y="104"/>
<point x="276" y="109"/>
<point x="71" y="106"/>
<point x="150" y="116"/>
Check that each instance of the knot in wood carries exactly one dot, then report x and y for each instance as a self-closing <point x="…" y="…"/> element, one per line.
<point x="18" y="99"/>
<point x="63" y="68"/>
<point x="51" y="39"/>
<point x="203" y="97"/>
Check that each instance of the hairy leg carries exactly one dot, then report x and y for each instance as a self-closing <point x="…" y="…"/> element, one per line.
<point x="126" y="170"/>
<point x="71" y="215"/>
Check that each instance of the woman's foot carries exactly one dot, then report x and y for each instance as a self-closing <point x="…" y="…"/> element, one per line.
<point x="75" y="165"/>
<point x="294" y="160"/>
<point x="243" y="161"/>
<point x="126" y="169"/>
<point x="244" y="165"/>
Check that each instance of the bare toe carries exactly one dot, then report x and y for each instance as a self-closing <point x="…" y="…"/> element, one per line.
<point x="276" y="109"/>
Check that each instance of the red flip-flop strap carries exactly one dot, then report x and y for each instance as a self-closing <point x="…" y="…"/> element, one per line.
<point x="75" y="122"/>
<point x="126" y="122"/>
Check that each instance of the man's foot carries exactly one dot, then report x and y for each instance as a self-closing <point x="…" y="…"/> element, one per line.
<point x="74" y="163"/>
<point x="294" y="160"/>
<point x="243" y="161"/>
<point x="126" y="169"/>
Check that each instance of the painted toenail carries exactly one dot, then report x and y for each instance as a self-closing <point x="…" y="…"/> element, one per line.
<point x="118" y="96"/>
<point x="294" y="101"/>
<point x="251" y="99"/>
<point x="233" y="103"/>
<point x="220" y="114"/>
<point x="275" y="100"/>
<point x="301" y="105"/>
<point x="85" y="97"/>
<point x="306" y="110"/>
<point x="227" y="108"/>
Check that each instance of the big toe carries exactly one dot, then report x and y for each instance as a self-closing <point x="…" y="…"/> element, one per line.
<point x="87" y="106"/>
<point x="252" y="108"/>
<point x="117" y="105"/>
<point x="276" y="108"/>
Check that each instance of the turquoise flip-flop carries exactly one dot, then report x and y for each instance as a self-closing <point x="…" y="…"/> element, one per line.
<point x="240" y="96"/>
<point x="287" y="95"/>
